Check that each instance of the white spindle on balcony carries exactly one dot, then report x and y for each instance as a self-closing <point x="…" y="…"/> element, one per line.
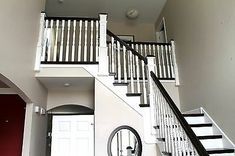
<point x="80" y="41"/>
<point x="45" y="39"/>
<point x="97" y="41"/>
<point x="91" y="41"/>
<point x="68" y="39"/>
<point x="56" y="40"/>
<point x="62" y="41"/>
<point x="85" y="42"/>
<point x="74" y="35"/>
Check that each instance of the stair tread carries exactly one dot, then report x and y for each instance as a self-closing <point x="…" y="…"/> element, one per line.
<point x="201" y="125"/>
<point x="219" y="150"/>
<point x="193" y="115"/>
<point x="209" y="137"/>
<point x="144" y="105"/>
<point x="166" y="153"/>
<point x="133" y="94"/>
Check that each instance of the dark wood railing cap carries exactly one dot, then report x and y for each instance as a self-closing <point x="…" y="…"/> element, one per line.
<point x="149" y="43"/>
<point x="188" y="130"/>
<point x="71" y="18"/>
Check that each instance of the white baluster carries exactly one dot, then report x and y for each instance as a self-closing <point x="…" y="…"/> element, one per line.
<point x="145" y="51"/>
<point x="112" y="55"/>
<point x="56" y="40"/>
<point x="97" y="41"/>
<point x="137" y="71"/>
<point x="119" y="62"/>
<point x="150" y="50"/>
<point x="80" y="41"/>
<point x="74" y="35"/>
<point x="50" y="42"/>
<point x="91" y="46"/>
<point x="141" y="50"/>
<point x="62" y="42"/>
<point x="159" y="61"/>
<point x="85" y="42"/>
<point x="154" y="54"/>
<point x="171" y="63"/>
<point x="168" y="62"/>
<point x="131" y="71"/>
<point x="124" y="64"/>
<point x="45" y="41"/>
<point x="67" y="45"/>
<point x="163" y="61"/>
<point x="134" y="63"/>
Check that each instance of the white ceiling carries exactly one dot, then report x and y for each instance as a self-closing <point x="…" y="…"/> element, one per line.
<point x="149" y="10"/>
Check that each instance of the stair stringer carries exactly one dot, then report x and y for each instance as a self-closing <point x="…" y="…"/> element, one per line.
<point x="133" y="102"/>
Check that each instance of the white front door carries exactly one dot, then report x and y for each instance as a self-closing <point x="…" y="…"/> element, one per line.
<point x="72" y="135"/>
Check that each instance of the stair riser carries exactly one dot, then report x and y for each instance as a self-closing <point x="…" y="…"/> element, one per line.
<point x="195" y="120"/>
<point x="212" y="143"/>
<point x="201" y="131"/>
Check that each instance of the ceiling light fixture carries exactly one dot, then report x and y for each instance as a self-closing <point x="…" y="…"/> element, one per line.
<point x="67" y="85"/>
<point x="132" y="13"/>
<point x="60" y="1"/>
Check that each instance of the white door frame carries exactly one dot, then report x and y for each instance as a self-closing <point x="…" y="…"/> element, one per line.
<point x="72" y="127"/>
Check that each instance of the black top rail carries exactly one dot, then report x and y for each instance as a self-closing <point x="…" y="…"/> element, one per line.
<point x="188" y="130"/>
<point x="127" y="46"/>
<point x="71" y="18"/>
<point x="151" y="43"/>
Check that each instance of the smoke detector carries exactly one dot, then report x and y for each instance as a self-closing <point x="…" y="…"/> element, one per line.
<point x="132" y="13"/>
<point x="60" y="1"/>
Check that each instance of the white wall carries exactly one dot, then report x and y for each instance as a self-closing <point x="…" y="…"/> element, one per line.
<point x="205" y="35"/>
<point x="110" y="113"/>
<point x="141" y="31"/>
<point x="173" y="91"/>
<point x="18" y="40"/>
<point x="59" y="97"/>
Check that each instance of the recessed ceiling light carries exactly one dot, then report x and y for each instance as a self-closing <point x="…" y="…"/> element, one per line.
<point x="66" y="84"/>
<point x="132" y="13"/>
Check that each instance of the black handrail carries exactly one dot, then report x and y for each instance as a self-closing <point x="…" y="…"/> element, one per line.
<point x="151" y="43"/>
<point x="127" y="46"/>
<point x="188" y="130"/>
<point x="71" y="18"/>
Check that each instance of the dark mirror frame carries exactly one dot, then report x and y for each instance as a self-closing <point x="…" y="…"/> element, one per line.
<point x="128" y="128"/>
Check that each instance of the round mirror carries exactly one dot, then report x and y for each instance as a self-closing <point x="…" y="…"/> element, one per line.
<point x="124" y="141"/>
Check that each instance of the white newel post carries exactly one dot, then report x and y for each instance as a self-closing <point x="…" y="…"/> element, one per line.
<point x="40" y="43"/>
<point x="152" y="67"/>
<point x="103" y="49"/>
<point x="177" y="82"/>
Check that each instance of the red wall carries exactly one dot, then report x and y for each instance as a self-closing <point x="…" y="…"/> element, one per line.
<point x="12" y="113"/>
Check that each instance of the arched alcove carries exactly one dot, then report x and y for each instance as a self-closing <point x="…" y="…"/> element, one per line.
<point x="71" y="109"/>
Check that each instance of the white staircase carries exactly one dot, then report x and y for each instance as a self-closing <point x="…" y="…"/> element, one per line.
<point x="129" y="74"/>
